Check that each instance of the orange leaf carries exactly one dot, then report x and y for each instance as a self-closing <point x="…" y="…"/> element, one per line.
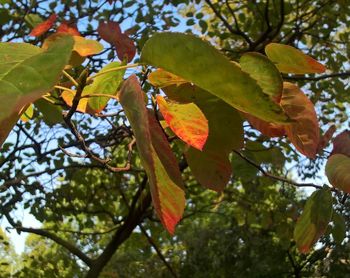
<point x="44" y="26"/>
<point x="66" y="28"/>
<point x="85" y="47"/>
<point x="266" y="128"/>
<point x="156" y="156"/>
<point x="68" y="97"/>
<point x="186" y="120"/>
<point x="304" y="131"/>
<point x="326" y="138"/>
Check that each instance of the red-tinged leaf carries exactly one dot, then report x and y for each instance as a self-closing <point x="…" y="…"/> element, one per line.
<point x="211" y="169"/>
<point x="341" y="143"/>
<point x="125" y="48"/>
<point x="44" y="26"/>
<point x="109" y="31"/>
<point x="161" y="78"/>
<point x="225" y="123"/>
<point x="156" y="156"/>
<point x="68" y="29"/>
<point x="304" y="131"/>
<point x="326" y="138"/>
<point x="187" y="121"/>
<point x="337" y="171"/>
<point x="314" y="220"/>
<point x="291" y="60"/>
<point x="266" y="128"/>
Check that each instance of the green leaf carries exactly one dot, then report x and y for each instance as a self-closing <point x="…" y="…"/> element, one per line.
<point x="314" y="220"/>
<point x="52" y="114"/>
<point x="211" y="169"/>
<point x="33" y="20"/>
<point x="187" y="121"/>
<point x="27" y="72"/>
<point x="155" y="154"/>
<point x="260" y="68"/>
<point x="107" y="83"/>
<point x="291" y="60"/>
<point x="200" y="63"/>
<point x="339" y="229"/>
<point x="337" y="171"/>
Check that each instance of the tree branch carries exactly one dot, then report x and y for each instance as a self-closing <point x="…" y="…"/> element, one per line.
<point x="320" y="77"/>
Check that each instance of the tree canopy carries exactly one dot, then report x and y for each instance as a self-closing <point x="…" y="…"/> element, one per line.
<point x="175" y="138"/>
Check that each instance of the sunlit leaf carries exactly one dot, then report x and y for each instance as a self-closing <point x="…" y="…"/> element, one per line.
<point x="291" y="60"/>
<point x="107" y="82"/>
<point x="200" y="63"/>
<point x="43" y="27"/>
<point x="187" y="121"/>
<point x="337" y="171"/>
<point x="68" y="97"/>
<point x="64" y="27"/>
<point x="27" y="72"/>
<point x="155" y="154"/>
<point x="211" y="169"/>
<point x="225" y="123"/>
<point x="161" y="78"/>
<point x="314" y="220"/>
<point x="304" y="131"/>
<point x="264" y="72"/>
<point x="27" y="113"/>
<point x="84" y="47"/>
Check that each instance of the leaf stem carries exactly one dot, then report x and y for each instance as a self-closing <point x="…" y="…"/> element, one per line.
<point x="111" y="70"/>
<point x="64" y="89"/>
<point x="66" y="74"/>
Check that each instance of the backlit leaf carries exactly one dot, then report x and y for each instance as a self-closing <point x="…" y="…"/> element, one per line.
<point x="264" y="72"/>
<point x="106" y="83"/>
<point x="326" y="138"/>
<point x="211" y="169"/>
<point x="155" y="154"/>
<point x="195" y="60"/>
<point x="27" y="113"/>
<point x="291" y="60"/>
<point x="82" y="107"/>
<point x="109" y="31"/>
<point x="337" y="171"/>
<point x="161" y="78"/>
<point x="304" y="131"/>
<point x="225" y="123"/>
<point x="27" y="72"/>
<point x="68" y="29"/>
<point x="341" y="143"/>
<point x="314" y="220"/>
<point x="187" y="121"/>
<point x="43" y="27"/>
<point x="266" y="128"/>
